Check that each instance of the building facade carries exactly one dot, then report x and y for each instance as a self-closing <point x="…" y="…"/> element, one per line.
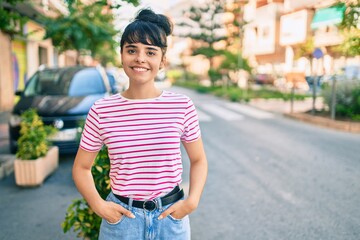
<point x="289" y="36"/>
<point x="261" y="36"/>
<point x="21" y="56"/>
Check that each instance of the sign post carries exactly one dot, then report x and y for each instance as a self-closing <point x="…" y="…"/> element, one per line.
<point x="315" y="79"/>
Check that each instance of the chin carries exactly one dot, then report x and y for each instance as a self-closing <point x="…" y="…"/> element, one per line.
<point x="142" y="81"/>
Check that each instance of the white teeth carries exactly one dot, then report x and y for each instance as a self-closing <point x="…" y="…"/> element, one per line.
<point x="140" y="69"/>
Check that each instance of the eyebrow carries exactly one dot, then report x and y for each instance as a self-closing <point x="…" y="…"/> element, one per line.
<point x="134" y="46"/>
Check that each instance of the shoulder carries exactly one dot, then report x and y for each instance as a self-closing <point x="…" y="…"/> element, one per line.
<point x="105" y="102"/>
<point x="108" y="100"/>
<point x="168" y="95"/>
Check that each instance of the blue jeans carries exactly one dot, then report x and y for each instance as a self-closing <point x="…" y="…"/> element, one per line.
<point x="145" y="225"/>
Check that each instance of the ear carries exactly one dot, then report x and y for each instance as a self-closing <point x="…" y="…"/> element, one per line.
<point x="162" y="63"/>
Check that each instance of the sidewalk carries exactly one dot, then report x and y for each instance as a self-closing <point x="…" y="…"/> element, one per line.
<point x="298" y="113"/>
<point x="6" y="159"/>
<point x="4" y="133"/>
<point x="281" y="106"/>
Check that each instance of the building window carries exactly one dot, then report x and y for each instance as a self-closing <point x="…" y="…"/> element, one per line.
<point x="43" y="54"/>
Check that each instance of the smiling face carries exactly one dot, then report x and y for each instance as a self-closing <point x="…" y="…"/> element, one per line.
<point x="141" y="62"/>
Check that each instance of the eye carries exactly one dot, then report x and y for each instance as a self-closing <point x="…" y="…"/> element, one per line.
<point x="131" y="51"/>
<point x="151" y="53"/>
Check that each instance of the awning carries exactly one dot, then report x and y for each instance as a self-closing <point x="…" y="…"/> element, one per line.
<point x="328" y="16"/>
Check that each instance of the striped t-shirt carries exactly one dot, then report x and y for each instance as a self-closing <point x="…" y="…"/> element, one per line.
<point x="143" y="139"/>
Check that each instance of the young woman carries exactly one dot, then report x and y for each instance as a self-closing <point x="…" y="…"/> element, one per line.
<point x="143" y="128"/>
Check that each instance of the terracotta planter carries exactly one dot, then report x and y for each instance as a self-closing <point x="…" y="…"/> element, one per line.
<point x="34" y="172"/>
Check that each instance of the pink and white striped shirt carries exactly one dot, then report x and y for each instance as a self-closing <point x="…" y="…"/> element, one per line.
<point x="143" y="139"/>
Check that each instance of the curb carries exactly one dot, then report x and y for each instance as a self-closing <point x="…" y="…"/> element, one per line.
<point x="6" y="165"/>
<point x="353" y="127"/>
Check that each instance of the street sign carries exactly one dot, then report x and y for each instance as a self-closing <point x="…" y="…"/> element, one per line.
<point x="318" y="53"/>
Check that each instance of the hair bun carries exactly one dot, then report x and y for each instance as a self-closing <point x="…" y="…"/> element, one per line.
<point x="147" y="15"/>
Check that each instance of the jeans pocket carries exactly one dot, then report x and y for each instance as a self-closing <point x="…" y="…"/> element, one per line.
<point x="117" y="222"/>
<point x="175" y="219"/>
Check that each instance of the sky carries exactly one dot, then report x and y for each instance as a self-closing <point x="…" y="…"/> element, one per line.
<point x="128" y="11"/>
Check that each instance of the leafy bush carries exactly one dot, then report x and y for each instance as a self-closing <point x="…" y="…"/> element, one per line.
<point x="33" y="142"/>
<point x="203" y="89"/>
<point x="174" y="75"/>
<point x="347" y="98"/>
<point x="234" y="94"/>
<point x="237" y="94"/>
<point x="214" y="75"/>
<point x="219" y="92"/>
<point x="189" y="76"/>
<point x="79" y="215"/>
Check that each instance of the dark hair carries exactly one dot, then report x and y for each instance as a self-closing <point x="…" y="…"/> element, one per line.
<point x="148" y="28"/>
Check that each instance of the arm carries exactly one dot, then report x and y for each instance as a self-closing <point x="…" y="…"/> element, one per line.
<point x="198" y="170"/>
<point x="198" y="174"/>
<point x="85" y="184"/>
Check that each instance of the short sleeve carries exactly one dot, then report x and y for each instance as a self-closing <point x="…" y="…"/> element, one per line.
<point x="91" y="138"/>
<point x="191" y="124"/>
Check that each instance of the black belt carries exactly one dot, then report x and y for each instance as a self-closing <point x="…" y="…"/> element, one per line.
<point x="150" y="205"/>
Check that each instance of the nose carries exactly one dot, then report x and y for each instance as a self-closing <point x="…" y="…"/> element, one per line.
<point x="140" y="58"/>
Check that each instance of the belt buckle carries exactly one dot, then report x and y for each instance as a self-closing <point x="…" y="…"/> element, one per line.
<point x="150" y="205"/>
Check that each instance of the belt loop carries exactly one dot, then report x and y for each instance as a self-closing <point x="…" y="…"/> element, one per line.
<point x="159" y="203"/>
<point x="130" y="204"/>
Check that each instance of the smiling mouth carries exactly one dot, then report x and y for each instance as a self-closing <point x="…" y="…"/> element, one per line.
<point x="140" y="69"/>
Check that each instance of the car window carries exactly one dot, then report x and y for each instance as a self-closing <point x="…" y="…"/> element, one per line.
<point x="31" y="85"/>
<point x="44" y="83"/>
<point x="86" y="82"/>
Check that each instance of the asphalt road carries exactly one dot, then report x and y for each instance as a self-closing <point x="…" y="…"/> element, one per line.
<point x="269" y="178"/>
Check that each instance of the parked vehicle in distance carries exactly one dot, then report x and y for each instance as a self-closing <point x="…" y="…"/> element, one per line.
<point x="263" y="78"/>
<point x="62" y="97"/>
<point x="351" y="72"/>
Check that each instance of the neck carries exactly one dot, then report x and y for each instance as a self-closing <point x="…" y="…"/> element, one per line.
<point x="141" y="93"/>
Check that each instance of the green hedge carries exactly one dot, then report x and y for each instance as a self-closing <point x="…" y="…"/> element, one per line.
<point x="236" y="94"/>
<point x="347" y="98"/>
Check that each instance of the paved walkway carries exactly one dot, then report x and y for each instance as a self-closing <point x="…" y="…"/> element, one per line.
<point x="299" y="113"/>
<point x="6" y="159"/>
<point x="281" y="106"/>
<point x="4" y="134"/>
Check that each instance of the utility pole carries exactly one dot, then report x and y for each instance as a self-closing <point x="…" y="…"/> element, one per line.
<point x="333" y="99"/>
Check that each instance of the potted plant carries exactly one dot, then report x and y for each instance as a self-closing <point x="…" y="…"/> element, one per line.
<point x="79" y="216"/>
<point x="35" y="159"/>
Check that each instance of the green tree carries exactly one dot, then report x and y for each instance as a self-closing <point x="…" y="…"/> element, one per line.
<point x="86" y="28"/>
<point x="206" y="28"/>
<point x="230" y="62"/>
<point x="350" y="28"/>
<point x="232" y="57"/>
<point x="305" y="49"/>
<point x="11" y="21"/>
<point x="352" y="13"/>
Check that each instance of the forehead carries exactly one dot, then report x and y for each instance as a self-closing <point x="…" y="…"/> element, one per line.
<point x="140" y="45"/>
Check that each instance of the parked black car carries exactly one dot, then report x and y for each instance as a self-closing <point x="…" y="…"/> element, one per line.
<point x="62" y="97"/>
